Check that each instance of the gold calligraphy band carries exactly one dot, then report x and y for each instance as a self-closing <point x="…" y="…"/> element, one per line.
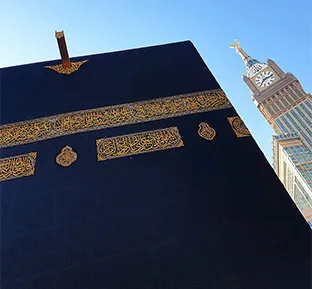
<point x="111" y="116"/>
<point x="17" y="166"/>
<point x="138" y="143"/>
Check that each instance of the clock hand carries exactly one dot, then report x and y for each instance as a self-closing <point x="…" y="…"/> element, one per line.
<point x="264" y="79"/>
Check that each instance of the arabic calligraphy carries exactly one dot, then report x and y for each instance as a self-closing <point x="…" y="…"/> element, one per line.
<point x="59" y="68"/>
<point x="138" y="143"/>
<point x="206" y="132"/>
<point x="111" y="116"/>
<point x="66" y="157"/>
<point x="238" y="126"/>
<point x="17" y="166"/>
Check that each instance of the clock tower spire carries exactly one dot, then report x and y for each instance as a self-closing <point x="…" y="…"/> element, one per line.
<point x="260" y="76"/>
<point x="248" y="61"/>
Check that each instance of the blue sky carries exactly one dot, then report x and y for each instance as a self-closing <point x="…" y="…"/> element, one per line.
<point x="280" y="30"/>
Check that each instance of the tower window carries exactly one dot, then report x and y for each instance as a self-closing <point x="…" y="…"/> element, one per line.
<point x="294" y="96"/>
<point x="280" y="105"/>
<point x="289" y="99"/>
<point x="284" y="101"/>
<point x="299" y="93"/>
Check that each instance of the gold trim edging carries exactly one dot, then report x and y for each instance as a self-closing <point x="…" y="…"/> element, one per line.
<point x="138" y="143"/>
<point x="17" y="166"/>
<point x="111" y="116"/>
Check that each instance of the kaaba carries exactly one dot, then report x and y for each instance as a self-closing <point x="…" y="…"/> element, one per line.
<point x="132" y="170"/>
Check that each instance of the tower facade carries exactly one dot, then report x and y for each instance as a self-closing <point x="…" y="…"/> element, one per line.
<point x="288" y="109"/>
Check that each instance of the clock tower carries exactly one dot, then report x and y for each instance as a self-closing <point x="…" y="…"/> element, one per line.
<point x="288" y="108"/>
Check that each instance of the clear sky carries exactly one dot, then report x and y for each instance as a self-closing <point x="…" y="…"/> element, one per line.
<point x="276" y="29"/>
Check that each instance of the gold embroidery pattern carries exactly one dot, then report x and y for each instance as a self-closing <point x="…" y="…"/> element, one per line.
<point x="111" y="116"/>
<point x="66" y="157"/>
<point x="138" y="143"/>
<point x="17" y="166"/>
<point x="238" y="126"/>
<point x="74" y="66"/>
<point x="206" y="132"/>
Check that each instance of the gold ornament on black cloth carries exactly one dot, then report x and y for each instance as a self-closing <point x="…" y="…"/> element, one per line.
<point x="206" y="132"/>
<point x="66" y="157"/>
<point x="138" y="143"/>
<point x="238" y="126"/>
<point x="17" y="166"/>
<point x="74" y="66"/>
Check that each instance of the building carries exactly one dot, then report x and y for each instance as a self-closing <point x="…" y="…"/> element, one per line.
<point x="288" y="109"/>
<point x="132" y="170"/>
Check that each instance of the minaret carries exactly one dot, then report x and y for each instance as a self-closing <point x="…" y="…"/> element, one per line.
<point x="288" y="108"/>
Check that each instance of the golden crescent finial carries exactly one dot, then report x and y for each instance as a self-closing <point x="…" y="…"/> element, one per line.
<point x="235" y="45"/>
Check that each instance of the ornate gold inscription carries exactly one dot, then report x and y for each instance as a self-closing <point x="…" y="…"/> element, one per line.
<point x="111" y="116"/>
<point x="66" y="157"/>
<point x="74" y="66"/>
<point x="238" y="126"/>
<point x="17" y="166"/>
<point x="206" y="132"/>
<point x="138" y="143"/>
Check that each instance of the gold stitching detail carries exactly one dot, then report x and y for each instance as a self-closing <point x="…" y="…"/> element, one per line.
<point x="238" y="126"/>
<point x="111" y="116"/>
<point x="66" y="157"/>
<point x="17" y="166"/>
<point x="59" y="68"/>
<point x="138" y="143"/>
<point x="206" y="132"/>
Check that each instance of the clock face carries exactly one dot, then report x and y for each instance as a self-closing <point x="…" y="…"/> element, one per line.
<point x="265" y="78"/>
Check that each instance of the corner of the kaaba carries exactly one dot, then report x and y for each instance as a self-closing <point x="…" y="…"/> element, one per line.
<point x="132" y="169"/>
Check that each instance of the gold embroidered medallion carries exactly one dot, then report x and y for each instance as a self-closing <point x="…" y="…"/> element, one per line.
<point x="238" y="126"/>
<point x="206" y="132"/>
<point x="66" y="157"/>
<point x="112" y="116"/>
<point x="59" y="68"/>
<point x="138" y="143"/>
<point x="17" y="166"/>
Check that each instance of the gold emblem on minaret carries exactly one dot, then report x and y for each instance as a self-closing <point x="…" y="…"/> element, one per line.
<point x="66" y="157"/>
<point x="235" y="45"/>
<point x="206" y="132"/>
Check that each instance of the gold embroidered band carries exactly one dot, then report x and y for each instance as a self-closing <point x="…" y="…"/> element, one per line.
<point x="17" y="166"/>
<point x="111" y="116"/>
<point x="138" y="143"/>
<point x="238" y="126"/>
